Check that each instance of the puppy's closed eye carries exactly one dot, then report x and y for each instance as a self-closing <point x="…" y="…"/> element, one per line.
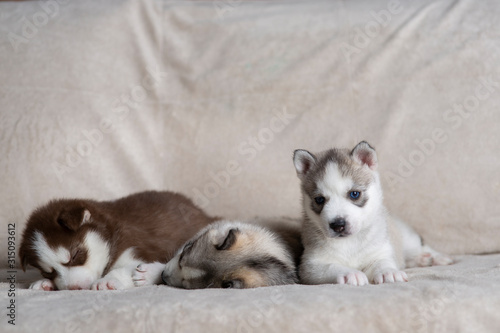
<point x="78" y="257"/>
<point x="49" y="275"/>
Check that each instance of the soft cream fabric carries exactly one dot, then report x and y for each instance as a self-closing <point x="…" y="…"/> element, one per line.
<point x="187" y="86"/>
<point x="464" y="297"/>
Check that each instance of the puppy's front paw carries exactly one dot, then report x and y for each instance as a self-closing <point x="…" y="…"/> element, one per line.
<point x="44" y="284"/>
<point x="107" y="283"/>
<point x="353" y="278"/>
<point x="147" y="274"/>
<point x="390" y="277"/>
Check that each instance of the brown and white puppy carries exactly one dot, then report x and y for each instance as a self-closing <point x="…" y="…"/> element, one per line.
<point x="82" y="244"/>
<point x="229" y="254"/>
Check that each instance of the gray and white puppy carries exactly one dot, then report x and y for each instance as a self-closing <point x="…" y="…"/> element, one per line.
<point x="348" y="236"/>
<point x="228" y="254"/>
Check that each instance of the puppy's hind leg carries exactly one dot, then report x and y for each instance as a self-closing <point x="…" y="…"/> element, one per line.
<point x="418" y="254"/>
<point x="438" y="258"/>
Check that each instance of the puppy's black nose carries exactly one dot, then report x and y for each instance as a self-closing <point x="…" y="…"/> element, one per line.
<point x="338" y="225"/>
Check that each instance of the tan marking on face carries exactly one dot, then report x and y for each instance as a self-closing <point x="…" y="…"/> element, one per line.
<point x="250" y="277"/>
<point x="243" y="241"/>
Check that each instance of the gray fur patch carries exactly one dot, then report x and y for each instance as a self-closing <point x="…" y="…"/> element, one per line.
<point x="361" y="177"/>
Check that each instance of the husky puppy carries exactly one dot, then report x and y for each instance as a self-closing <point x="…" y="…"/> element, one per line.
<point x="228" y="254"/>
<point x="347" y="234"/>
<point x="82" y="244"/>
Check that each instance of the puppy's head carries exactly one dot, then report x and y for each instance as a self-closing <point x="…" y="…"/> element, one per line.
<point x="340" y="188"/>
<point x="61" y="240"/>
<point x="231" y="255"/>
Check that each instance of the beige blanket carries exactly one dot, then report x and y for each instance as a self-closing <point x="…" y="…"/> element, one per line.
<point x="210" y="98"/>
<point x="464" y="297"/>
<point x="100" y="99"/>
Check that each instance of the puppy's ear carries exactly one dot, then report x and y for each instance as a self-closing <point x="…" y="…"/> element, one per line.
<point x="227" y="240"/>
<point x="363" y="153"/>
<point x="303" y="161"/>
<point x="72" y="219"/>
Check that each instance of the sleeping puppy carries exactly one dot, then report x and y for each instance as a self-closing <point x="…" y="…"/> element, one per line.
<point x="229" y="254"/>
<point x="87" y="244"/>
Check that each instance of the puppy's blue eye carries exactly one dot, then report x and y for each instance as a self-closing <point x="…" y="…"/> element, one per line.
<point x="319" y="200"/>
<point x="354" y="195"/>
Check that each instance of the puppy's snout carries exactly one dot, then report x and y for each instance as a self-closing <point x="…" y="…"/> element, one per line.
<point x="338" y="225"/>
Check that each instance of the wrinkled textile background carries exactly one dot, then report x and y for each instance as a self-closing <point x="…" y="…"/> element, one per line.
<point x="211" y="98"/>
<point x="99" y="99"/>
<point x="464" y="297"/>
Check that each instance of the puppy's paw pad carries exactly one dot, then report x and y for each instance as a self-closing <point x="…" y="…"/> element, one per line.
<point x="441" y="260"/>
<point x="106" y="284"/>
<point x="147" y="274"/>
<point x="44" y="284"/>
<point x="390" y="277"/>
<point x="354" y="278"/>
